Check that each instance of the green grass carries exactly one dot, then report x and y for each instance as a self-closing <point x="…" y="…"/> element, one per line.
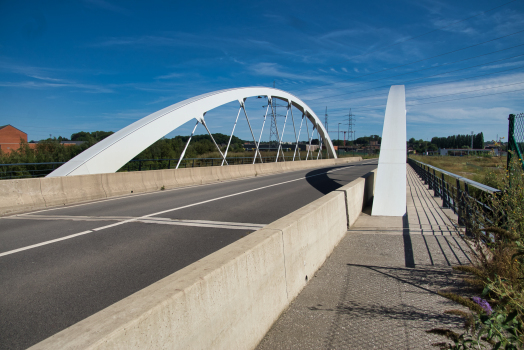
<point x="485" y="170"/>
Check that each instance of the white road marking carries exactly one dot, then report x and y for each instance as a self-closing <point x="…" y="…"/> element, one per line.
<point x="44" y="243"/>
<point x="202" y="223"/>
<point x="149" y="216"/>
<point x="153" y="220"/>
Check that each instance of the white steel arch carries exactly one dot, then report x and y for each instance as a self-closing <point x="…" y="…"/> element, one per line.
<point x="110" y="154"/>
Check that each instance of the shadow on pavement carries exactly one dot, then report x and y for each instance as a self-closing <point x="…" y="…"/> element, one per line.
<point x="328" y="182"/>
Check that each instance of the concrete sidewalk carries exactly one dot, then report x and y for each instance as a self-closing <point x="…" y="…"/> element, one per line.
<point x="378" y="288"/>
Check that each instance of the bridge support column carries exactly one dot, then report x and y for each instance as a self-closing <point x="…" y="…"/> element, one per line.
<point x="390" y="190"/>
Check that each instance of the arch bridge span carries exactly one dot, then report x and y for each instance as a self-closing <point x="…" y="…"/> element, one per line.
<point x="110" y="154"/>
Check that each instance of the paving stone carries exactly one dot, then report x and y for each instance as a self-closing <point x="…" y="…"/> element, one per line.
<point x="378" y="289"/>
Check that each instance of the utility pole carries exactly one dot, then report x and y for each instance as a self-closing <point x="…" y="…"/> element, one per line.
<point x="351" y="123"/>
<point x="273" y="131"/>
<point x="326" y="121"/>
<point x="338" y="139"/>
<point x="471" y="148"/>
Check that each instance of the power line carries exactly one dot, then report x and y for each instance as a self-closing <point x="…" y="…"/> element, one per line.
<point x="421" y="60"/>
<point x="421" y="35"/>
<point x="445" y="64"/>
<point x="465" y="92"/>
<point x="467" y="98"/>
<point x="445" y="82"/>
<point x="456" y="93"/>
<point x="455" y="99"/>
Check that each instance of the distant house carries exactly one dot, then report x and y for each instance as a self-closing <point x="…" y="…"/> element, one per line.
<point x="10" y="138"/>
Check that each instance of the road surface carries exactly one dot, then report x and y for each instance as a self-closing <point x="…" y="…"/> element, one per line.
<point x="59" y="266"/>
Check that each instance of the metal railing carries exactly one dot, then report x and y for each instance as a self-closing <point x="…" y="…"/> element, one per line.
<point x="29" y="170"/>
<point x="458" y="193"/>
<point x="170" y="163"/>
<point x="516" y="137"/>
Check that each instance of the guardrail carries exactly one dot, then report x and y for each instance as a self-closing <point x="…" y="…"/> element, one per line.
<point x="29" y="170"/>
<point x="455" y="191"/>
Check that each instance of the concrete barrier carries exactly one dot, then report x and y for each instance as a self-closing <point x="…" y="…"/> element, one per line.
<point x="309" y="236"/>
<point x="358" y="195"/>
<point x="20" y="195"/>
<point x="118" y="184"/>
<point x="229" y="299"/>
<point x="31" y="194"/>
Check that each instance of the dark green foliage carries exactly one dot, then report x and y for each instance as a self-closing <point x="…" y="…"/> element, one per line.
<point x="367" y="139"/>
<point x="459" y="141"/>
<point x="497" y="247"/>
<point x="51" y="150"/>
<point x="91" y="137"/>
<point x="421" y="146"/>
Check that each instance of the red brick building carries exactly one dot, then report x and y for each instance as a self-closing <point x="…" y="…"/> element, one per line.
<point x="10" y="138"/>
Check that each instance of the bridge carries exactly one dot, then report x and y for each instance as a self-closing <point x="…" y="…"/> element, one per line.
<point x="89" y="255"/>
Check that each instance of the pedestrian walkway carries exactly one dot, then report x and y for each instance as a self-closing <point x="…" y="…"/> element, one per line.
<point x="378" y="288"/>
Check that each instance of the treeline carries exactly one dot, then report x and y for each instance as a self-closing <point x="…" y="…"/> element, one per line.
<point x="364" y="141"/>
<point x="200" y="145"/>
<point x="421" y="146"/>
<point x="459" y="141"/>
<point x="51" y="150"/>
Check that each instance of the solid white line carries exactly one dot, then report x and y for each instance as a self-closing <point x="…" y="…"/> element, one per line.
<point x="197" y="224"/>
<point x="44" y="243"/>
<point x="163" y="212"/>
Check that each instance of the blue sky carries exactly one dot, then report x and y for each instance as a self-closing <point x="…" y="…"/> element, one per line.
<point x="69" y="66"/>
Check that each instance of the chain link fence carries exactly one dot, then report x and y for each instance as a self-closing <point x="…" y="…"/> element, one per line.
<point x="516" y="137"/>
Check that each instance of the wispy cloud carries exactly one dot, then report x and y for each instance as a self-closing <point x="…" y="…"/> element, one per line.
<point x="170" y="76"/>
<point x="275" y="70"/>
<point x="41" y="85"/>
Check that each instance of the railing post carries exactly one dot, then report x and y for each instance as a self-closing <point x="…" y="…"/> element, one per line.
<point x="467" y="219"/>
<point x="445" y="193"/>
<point x="435" y="184"/>
<point x="458" y="205"/>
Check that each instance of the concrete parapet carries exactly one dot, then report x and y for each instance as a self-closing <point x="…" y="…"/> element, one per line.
<point x="30" y="194"/>
<point x="20" y="195"/>
<point x="80" y="188"/>
<point x="229" y="299"/>
<point x="183" y="177"/>
<point x="118" y="184"/>
<point x="204" y="175"/>
<point x="52" y="190"/>
<point x="167" y="179"/>
<point x="309" y="236"/>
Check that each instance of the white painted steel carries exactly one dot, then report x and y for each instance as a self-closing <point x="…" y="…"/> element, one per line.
<point x="232" y="132"/>
<point x="187" y="145"/>
<point x="390" y="190"/>
<point x="115" y="151"/>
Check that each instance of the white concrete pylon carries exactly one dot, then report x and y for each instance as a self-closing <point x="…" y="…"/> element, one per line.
<point x="390" y="186"/>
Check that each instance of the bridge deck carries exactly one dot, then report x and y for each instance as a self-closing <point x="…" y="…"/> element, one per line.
<point x="378" y="288"/>
<point x="59" y="266"/>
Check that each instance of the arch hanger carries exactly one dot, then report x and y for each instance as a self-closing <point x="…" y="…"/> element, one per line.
<point x="113" y="152"/>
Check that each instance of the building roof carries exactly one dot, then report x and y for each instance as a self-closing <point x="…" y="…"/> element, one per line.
<point x="5" y="126"/>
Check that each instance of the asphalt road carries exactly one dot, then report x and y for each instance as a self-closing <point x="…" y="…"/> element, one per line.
<point x="59" y="266"/>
